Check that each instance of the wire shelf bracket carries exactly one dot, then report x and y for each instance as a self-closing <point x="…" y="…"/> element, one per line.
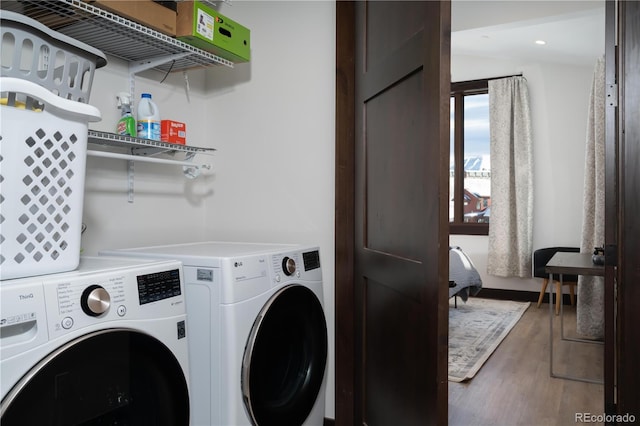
<point x="143" y="150"/>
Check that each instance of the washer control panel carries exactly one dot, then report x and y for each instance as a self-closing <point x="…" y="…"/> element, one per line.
<point x="76" y="301"/>
<point x="106" y="291"/>
<point x="81" y="301"/>
<point x="158" y="286"/>
<point x="23" y="318"/>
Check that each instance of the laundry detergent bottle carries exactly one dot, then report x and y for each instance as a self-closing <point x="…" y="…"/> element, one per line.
<point x="148" y="118"/>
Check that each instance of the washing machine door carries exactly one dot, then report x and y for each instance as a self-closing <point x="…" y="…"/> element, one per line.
<point x="285" y="358"/>
<point x="110" y="377"/>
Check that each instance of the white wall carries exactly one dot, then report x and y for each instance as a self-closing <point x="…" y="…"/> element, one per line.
<point x="559" y="96"/>
<point x="275" y="131"/>
<point x="167" y="207"/>
<point x="272" y="122"/>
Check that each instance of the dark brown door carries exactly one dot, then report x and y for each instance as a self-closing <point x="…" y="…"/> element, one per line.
<point x="401" y="115"/>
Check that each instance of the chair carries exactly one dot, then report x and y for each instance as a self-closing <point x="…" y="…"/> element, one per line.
<point x="540" y="259"/>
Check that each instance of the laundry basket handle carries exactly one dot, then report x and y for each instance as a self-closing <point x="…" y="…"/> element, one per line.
<point x="77" y="111"/>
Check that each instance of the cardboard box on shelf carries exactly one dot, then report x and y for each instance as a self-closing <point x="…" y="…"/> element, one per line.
<point x="206" y="29"/>
<point x="145" y="12"/>
<point x="173" y="132"/>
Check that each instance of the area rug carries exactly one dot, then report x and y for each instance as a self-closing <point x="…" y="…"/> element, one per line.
<point x="476" y="328"/>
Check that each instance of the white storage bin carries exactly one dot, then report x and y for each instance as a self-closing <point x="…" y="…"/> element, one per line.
<point x="43" y="144"/>
<point x="34" y="52"/>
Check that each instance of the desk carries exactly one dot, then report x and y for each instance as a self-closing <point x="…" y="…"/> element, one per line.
<point x="570" y="264"/>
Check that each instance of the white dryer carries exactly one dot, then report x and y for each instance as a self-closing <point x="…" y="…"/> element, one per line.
<point x="104" y="344"/>
<point x="258" y="334"/>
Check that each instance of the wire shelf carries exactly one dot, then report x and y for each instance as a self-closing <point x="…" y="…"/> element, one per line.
<point x="113" y="34"/>
<point x="141" y="146"/>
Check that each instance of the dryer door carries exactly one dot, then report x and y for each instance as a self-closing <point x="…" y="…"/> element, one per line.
<point x="285" y="358"/>
<point x="108" y="377"/>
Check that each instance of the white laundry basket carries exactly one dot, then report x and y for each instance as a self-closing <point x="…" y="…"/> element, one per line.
<point x="32" y="51"/>
<point x="43" y="144"/>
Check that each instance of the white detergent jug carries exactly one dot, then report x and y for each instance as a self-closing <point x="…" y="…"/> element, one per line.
<point x="148" y="118"/>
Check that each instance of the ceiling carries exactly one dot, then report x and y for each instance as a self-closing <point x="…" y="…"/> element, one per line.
<point x="573" y="30"/>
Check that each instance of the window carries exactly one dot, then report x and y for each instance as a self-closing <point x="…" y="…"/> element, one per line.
<point x="470" y="161"/>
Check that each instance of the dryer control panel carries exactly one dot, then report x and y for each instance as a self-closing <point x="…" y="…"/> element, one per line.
<point x="286" y="265"/>
<point x="303" y="265"/>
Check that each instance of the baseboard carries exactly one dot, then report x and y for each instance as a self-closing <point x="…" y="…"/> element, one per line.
<point x="517" y="295"/>
<point x="329" y="422"/>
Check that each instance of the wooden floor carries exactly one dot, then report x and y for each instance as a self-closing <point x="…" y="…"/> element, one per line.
<point x="514" y="388"/>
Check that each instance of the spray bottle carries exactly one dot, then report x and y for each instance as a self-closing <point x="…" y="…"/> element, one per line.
<point x="127" y="123"/>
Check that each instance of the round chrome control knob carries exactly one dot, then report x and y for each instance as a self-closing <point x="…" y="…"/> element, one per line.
<point x="288" y="266"/>
<point x="95" y="300"/>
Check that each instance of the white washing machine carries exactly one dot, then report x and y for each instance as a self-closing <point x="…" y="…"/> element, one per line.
<point x="258" y="334"/>
<point x="104" y="344"/>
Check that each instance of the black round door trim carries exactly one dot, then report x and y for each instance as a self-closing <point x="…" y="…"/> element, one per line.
<point x="285" y="358"/>
<point x="111" y="376"/>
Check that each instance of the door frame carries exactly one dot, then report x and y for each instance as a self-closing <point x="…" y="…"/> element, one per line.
<point x="345" y="214"/>
<point x="611" y="206"/>
<point x="627" y="184"/>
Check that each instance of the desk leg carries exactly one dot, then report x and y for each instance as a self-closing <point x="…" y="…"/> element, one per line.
<point x="561" y="307"/>
<point x="551" y="373"/>
<point x="551" y="326"/>
<point x="572" y="339"/>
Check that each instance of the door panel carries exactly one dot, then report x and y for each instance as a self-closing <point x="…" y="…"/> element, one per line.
<point x="390" y="378"/>
<point x="389" y="26"/>
<point x="394" y="169"/>
<point x="401" y="240"/>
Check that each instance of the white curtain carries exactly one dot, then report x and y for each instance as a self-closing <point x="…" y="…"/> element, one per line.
<point x="510" y="228"/>
<point x="590" y="310"/>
